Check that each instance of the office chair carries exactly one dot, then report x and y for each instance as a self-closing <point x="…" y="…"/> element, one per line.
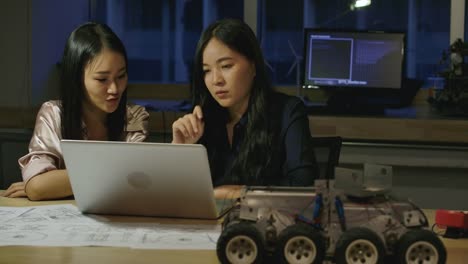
<point x="327" y="153"/>
<point x="13" y="145"/>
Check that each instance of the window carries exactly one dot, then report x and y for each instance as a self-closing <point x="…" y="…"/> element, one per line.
<point x="426" y="23"/>
<point x="161" y="35"/>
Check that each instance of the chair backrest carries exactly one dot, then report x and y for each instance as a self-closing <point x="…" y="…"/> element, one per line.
<point x="13" y="145"/>
<point x="327" y="153"/>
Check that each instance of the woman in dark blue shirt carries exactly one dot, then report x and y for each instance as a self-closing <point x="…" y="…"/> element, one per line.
<point x="253" y="135"/>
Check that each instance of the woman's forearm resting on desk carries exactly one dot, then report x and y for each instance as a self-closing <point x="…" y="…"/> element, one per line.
<point x="53" y="184"/>
<point x="228" y="191"/>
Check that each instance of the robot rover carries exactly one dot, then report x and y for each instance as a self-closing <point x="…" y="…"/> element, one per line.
<point x="345" y="220"/>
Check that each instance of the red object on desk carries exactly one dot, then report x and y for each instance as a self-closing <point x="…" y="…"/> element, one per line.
<point x="450" y="218"/>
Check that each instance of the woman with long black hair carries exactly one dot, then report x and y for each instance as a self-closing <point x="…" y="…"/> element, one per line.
<point x="93" y="106"/>
<point x="253" y="135"/>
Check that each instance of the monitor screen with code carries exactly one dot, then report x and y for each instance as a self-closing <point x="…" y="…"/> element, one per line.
<point x="353" y="59"/>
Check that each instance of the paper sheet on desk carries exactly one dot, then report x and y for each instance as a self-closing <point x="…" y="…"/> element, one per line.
<point x="64" y="225"/>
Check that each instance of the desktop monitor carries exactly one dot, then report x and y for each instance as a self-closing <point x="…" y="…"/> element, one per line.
<point x="353" y="59"/>
<point x="360" y="70"/>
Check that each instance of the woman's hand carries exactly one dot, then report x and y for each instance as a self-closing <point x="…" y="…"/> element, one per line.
<point x="15" y="190"/>
<point x="189" y="128"/>
<point x="228" y="191"/>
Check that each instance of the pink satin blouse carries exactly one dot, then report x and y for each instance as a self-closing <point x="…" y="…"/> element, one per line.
<point x="44" y="148"/>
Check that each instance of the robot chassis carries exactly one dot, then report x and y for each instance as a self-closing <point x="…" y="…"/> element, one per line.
<point x="313" y="224"/>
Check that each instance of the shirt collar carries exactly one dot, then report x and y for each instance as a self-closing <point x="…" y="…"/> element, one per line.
<point x="243" y="120"/>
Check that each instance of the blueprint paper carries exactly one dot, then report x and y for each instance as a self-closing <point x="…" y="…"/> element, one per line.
<point x="64" y="225"/>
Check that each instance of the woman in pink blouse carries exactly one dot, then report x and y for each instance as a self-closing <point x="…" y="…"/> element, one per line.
<point x="93" y="106"/>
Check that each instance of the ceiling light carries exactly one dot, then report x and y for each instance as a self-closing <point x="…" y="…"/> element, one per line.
<point x="360" y="3"/>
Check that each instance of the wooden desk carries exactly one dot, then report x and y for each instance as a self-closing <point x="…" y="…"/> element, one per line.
<point x="102" y="255"/>
<point x="425" y="127"/>
<point x="441" y="131"/>
<point x="457" y="249"/>
<point x="414" y="130"/>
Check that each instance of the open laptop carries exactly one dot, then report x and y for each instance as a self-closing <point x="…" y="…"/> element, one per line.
<point x="144" y="179"/>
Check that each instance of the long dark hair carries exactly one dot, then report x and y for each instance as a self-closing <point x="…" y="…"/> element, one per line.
<point x="83" y="45"/>
<point x="253" y="157"/>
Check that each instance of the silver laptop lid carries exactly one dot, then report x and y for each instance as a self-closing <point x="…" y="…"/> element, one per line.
<point x="148" y="179"/>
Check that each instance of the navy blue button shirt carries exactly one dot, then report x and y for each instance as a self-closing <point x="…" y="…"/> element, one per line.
<point x="293" y="161"/>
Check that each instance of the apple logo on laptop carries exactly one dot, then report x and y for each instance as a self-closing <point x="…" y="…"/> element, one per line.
<point x="139" y="180"/>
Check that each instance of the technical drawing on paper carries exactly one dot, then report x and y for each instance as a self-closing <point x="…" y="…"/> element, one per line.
<point x="7" y="213"/>
<point x="22" y="237"/>
<point x="64" y="225"/>
<point x="187" y="237"/>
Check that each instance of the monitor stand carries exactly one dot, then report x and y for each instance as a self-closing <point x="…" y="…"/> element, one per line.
<point x="351" y="104"/>
<point x="372" y="101"/>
